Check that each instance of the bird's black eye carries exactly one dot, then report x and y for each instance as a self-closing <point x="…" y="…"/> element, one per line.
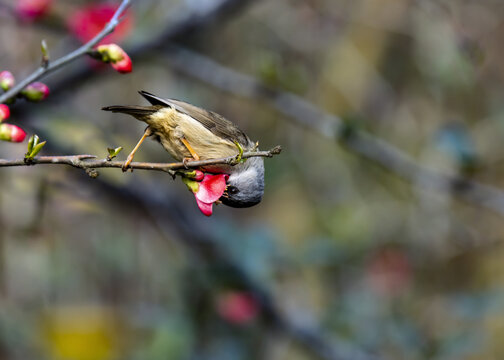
<point x="233" y="190"/>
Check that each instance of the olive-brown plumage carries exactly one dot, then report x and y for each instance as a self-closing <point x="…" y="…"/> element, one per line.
<point x="185" y="130"/>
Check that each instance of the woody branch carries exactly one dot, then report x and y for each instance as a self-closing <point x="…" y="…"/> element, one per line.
<point x="86" y="162"/>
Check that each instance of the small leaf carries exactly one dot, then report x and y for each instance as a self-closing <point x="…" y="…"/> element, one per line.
<point x="192" y="185"/>
<point x="45" y="53"/>
<point x="113" y="152"/>
<point x="33" y="141"/>
<point x="36" y="149"/>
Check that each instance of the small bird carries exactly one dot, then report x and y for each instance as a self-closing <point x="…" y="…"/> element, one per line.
<point x="188" y="132"/>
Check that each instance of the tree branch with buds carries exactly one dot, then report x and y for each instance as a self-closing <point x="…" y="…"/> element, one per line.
<point x="47" y="66"/>
<point x="87" y="162"/>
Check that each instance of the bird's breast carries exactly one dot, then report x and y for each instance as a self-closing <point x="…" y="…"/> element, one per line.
<point x="171" y="126"/>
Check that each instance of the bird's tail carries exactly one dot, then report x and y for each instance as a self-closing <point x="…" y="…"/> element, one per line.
<point x="140" y="112"/>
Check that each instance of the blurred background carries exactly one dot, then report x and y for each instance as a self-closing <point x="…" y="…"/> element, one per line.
<point x="342" y="259"/>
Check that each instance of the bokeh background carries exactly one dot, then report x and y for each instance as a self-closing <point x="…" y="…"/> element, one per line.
<point x="342" y="259"/>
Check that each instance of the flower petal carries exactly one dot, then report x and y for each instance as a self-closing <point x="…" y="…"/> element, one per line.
<point x="211" y="188"/>
<point x="4" y="112"/>
<point x="205" y="208"/>
<point x="88" y="21"/>
<point x="123" y="66"/>
<point x="29" y="10"/>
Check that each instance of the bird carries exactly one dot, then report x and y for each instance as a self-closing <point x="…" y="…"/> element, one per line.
<point x="189" y="132"/>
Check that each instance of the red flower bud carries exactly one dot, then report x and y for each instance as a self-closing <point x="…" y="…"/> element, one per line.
<point x="88" y="21"/>
<point x="237" y="307"/>
<point x="4" y="112"/>
<point x="116" y="56"/>
<point x="30" y="10"/>
<point x="6" y="80"/>
<point x="36" y="91"/>
<point x="199" y="175"/>
<point x="124" y="66"/>
<point x="11" y="133"/>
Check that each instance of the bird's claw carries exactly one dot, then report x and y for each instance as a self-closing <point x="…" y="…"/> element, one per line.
<point x="186" y="161"/>
<point x="127" y="164"/>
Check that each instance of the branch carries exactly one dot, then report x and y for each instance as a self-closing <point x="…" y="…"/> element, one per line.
<point x="47" y="67"/>
<point x="90" y="162"/>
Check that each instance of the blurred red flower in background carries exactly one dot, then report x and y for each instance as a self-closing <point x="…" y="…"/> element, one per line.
<point x="88" y="21"/>
<point x="30" y="10"/>
<point x="237" y="307"/>
<point x="389" y="272"/>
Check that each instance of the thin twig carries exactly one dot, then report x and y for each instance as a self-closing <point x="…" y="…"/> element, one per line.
<point x="49" y="66"/>
<point x="90" y="161"/>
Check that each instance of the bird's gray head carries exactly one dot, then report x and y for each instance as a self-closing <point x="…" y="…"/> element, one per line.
<point x="245" y="185"/>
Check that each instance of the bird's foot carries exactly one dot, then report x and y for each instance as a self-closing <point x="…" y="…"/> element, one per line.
<point x="186" y="162"/>
<point x="127" y="164"/>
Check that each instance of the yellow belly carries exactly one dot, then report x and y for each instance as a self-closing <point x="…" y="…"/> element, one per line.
<point x="171" y="125"/>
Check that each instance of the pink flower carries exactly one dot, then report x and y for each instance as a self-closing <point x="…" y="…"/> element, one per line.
<point x="88" y="21"/>
<point x="6" y="80"/>
<point x="237" y="307"/>
<point x="116" y="56"/>
<point x="11" y="133"/>
<point x="389" y="272"/>
<point x="4" y="112"/>
<point x="36" y="91"/>
<point x="209" y="191"/>
<point x="30" y="10"/>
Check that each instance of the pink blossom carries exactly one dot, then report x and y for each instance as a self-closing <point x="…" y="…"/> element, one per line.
<point x="11" y="133"/>
<point x="88" y="21"/>
<point x="123" y="66"/>
<point x="237" y="307"/>
<point x="36" y="92"/>
<point x="209" y="191"/>
<point x="389" y="272"/>
<point x="4" y="112"/>
<point x="116" y="56"/>
<point x="6" y="80"/>
<point x="30" y="10"/>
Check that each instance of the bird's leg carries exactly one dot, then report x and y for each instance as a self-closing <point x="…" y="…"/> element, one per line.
<point x="193" y="153"/>
<point x="148" y="132"/>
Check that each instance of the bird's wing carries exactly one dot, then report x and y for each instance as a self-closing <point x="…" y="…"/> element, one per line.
<point x="214" y="122"/>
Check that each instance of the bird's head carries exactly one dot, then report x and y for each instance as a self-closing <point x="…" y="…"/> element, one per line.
<point x="245" y="185"/>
